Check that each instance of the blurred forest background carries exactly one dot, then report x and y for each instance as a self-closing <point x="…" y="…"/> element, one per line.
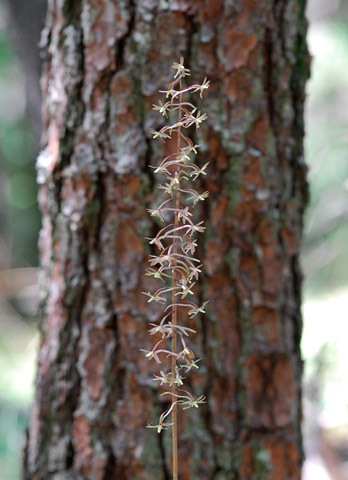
<point x="325" y="248"/>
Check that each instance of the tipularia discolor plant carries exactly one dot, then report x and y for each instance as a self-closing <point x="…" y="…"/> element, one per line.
<point x="176" y="265"/>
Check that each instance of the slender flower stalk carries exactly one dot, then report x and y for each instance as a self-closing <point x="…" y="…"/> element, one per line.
<point x="175" y="265"/>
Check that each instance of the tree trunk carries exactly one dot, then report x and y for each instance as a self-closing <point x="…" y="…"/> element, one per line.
<point x="105" y="62"/>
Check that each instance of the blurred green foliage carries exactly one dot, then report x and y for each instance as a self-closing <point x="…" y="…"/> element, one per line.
<point x="325" y="253"/>
<point x="12" y="423"/>
<point x="17" y="151"/>
<point x="17" y="164"/>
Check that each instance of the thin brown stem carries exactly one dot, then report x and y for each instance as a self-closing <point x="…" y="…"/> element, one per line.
<point x="174" y="311"/>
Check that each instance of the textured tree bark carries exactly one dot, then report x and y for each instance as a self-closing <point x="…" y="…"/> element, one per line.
<point x="105" y="62"/>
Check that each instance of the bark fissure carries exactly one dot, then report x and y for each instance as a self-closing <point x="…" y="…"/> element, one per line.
<point x="121" y="45"/>
<point x="269" y="75"/>
<point x="192" y="30"/>
<point x="109" y="473"/>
